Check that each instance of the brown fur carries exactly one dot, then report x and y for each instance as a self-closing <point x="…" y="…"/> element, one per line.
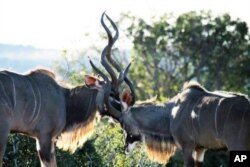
<point x="159" y="150"/>
<point x="193" y="84"/>
<point x="43" y="71"/>
<point x="150" y="101"/>
<point x="90" y="80"/>
<point x="126" y="97"/>
<point x="196" y="85"/>
<point x="76" y="135"/>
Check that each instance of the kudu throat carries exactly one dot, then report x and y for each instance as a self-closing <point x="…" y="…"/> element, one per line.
<point x="80" y="120"/>
<point x="81" y="105"/>
<point x="155" y="130"/>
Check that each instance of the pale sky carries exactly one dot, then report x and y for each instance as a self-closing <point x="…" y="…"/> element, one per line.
<point x="62" y="24"/>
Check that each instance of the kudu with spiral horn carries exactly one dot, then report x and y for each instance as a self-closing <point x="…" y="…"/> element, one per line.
<point x="193" y="121"/>
<point x="114" y="98"/>
<point x="37" y="106"/>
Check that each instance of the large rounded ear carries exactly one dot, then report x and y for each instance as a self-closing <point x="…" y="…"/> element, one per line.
<point x="126" y="99"/>
<point x="91" y="81"/>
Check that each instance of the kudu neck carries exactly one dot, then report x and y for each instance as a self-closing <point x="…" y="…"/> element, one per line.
<point x="153" y="118"/>
<point x="81" y="105"/>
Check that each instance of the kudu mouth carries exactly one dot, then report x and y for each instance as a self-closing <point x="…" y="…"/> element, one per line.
<point x="130" y="145"/>
<point x="128" y="148"/>
<point x="110" y="88"/>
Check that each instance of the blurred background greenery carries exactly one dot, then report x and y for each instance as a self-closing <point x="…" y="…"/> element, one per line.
<point x="167" y="51"/>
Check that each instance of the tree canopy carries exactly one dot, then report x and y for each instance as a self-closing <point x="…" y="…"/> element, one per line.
<point x="214" y="50"/>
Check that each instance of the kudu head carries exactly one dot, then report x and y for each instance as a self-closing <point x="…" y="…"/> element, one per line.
<point x="109" y="88"/>
<point x="149" y="124"/>
<point x="129" y="124"/>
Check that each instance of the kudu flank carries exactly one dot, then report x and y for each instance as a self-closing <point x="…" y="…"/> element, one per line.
<point x="35" y="105"/>
<point x="194" y="120"/>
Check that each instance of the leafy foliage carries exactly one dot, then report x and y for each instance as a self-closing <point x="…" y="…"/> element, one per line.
<point x="215" y="51"/>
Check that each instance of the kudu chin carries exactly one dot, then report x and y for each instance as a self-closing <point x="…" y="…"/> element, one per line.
<point x="36" y="105"/>
<point x="193" y="121"/>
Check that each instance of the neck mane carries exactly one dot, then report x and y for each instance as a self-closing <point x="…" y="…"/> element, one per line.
<point x="158" y="141"/>
<point x="197" y="86"/>
<point x="80" y="118"/>
<point x="159" y="148"/>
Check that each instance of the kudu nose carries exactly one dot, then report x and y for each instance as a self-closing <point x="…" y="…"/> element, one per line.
<point x="126" y="151"/>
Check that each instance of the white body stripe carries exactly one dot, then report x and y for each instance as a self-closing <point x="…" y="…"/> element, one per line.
<point x="35" y="101"/>
<point x="215" y="116"/>
<point x="242" y="121"/>
<point x="14" y="90"/>
<point x="39" y="106"/>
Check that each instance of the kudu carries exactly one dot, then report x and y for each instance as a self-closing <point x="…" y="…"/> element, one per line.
<point x="194" y="120"/>
<point x="37" y="106"/>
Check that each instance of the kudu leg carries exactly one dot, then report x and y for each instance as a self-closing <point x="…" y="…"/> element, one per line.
<point x="4" y="132"/>
<point x="188" y="157"/>
<point x="46" y="152"/>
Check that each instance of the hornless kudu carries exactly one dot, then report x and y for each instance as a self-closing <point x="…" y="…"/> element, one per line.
<point x="194" y="120"/>
<point x="35" y="105"/>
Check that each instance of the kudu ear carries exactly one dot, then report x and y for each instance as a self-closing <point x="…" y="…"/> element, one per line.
<point x="92" y="82"/>
<point x="126" y="99"/>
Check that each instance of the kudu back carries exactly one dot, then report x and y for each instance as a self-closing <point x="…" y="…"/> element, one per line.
<point x="37" y="106"/>
<point x="194" y="120"/>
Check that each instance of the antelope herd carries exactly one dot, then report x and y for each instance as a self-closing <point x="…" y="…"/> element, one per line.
<point x="192" y="121"/>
